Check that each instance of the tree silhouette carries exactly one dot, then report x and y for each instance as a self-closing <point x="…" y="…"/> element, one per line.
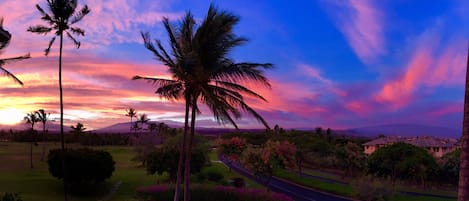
<point x="143" y="120"/>
<point x="5" y="38"/>
<point x="43" y="117"/>
<point x="152" y="127"/>
<point x="203" y="71"/>
<point x="131" y="112"/>
<point x="78" y="129"/>
<point x="62" y="17"/>
<point x="31" y="119"/>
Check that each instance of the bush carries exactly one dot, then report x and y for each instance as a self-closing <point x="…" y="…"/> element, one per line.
<point x="82" y="165"/>
<point x="10" y="197"/>
<point x="238" y="182"/>
<point x="214" y="175"/>
<point x="165" y="159"/>
<point x="206" y="193"/>
<point x="371" y="189"/>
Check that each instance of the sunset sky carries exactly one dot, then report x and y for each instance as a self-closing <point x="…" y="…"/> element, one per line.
<point x="338" y="63"/>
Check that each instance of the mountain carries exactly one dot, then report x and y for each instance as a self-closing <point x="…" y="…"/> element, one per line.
<point x="125" y="127"/>
<point x="405" y="130"/>
<point x="51" y="127"/>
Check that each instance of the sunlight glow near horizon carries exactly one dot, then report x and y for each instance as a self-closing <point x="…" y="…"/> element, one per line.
<point x="11" y="116"/>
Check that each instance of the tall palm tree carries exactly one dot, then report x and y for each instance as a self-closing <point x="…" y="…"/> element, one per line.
<point x="203" y="71"/>
<point x="131" y="112"/>
<point x="463" y="191"/>
<point x="61" y="19"/>
<point x="174" y="89"/>
<point x="218" y="76"/>
<point x="5" y="38"/>
<point x="43" y="117"/>
<point x="31" y="119"/>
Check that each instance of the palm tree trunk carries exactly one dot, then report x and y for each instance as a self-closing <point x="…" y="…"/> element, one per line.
<point x="463" y="191"/>
<point x="43" y="142"/>
<point x="187" y="166"/>
<point x="131" y="125"/>
<point x="181" y="154"/>
<point x="62" y="137"/>
<point x="31" y="155"/>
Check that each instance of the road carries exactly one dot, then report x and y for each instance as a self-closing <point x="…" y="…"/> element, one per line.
<point x="295" y="191"/>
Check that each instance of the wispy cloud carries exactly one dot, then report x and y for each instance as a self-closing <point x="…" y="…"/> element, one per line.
<point x="362" y="24"/>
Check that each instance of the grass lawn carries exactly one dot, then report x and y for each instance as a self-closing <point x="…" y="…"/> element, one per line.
<point x="37" y="184"/>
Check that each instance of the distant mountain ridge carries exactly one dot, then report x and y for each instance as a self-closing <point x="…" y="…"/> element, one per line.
<point x="405" y="130"/>
<point x="51" y="127"/>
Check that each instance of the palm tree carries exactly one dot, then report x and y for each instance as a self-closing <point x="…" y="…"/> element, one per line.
<point x="131" y="112"/>
<point x="78" y="129"/>
<point x="61" y="19"/>
<point x="43" y="117"/>
<point x="152" y="127"/>
<point x="203" y="71"/>
<point x="173" y="89"/>
<point x="31" y="119"/>
<point x="143" y="119"/>
<point x="5" y="38"/>
<point x="463" y="191"/>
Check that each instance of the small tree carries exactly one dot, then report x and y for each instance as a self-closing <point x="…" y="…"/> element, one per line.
<point x="131" y="112"/>
<point x="231" y="148"/>
<point x="31" y="119"/>
<point x="78" y="130"/>
<point x="152" y="127"/>
<point x="43" y="117"/>
<point x="143" y="119"/>
<point x="352" y="158"/>
<point x="403" y="161"/>
<point x="165" y="158"/>
<point x="450" y="164"/>
<point x="263" y="161"/>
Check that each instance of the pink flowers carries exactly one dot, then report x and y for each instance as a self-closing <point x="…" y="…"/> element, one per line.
<point x="232" y="148"/>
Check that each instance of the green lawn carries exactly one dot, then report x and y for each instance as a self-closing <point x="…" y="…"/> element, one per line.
<point x="36" y="184"/>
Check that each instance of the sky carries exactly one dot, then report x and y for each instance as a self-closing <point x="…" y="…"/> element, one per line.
<point x="338" y="63"/>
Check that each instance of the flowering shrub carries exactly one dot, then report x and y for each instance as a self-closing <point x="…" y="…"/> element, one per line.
<point x="275" y="154"/>
<point x="232" y="148"/>
<point x="203" y="193"/>
<point x="281" y="152"/>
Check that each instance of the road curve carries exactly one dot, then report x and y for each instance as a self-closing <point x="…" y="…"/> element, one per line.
<point x="297" y="192"/>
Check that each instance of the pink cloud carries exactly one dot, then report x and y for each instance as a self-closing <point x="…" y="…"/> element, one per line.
<point x="362" y="25"/>
<point x="326" y="85"/>
<point x="448" y="109"/>
<point x="426" y="68"/>
<point x="105" y="19"/>
<point x="399" y="92"/>
<point x="359" y="107"/>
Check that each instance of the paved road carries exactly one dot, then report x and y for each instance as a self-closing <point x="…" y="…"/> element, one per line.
<point x="297" y="192"/>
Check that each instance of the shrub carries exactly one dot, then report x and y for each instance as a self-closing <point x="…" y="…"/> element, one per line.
<point x="371" y="189"/>
<point x="82" y="165"/>
<point x="214" y="175"/>
<point x="238" y="182"/>
<point x="165" y="159"/>
<point x="10" y="197"/>
<point x="205" y="193"/>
